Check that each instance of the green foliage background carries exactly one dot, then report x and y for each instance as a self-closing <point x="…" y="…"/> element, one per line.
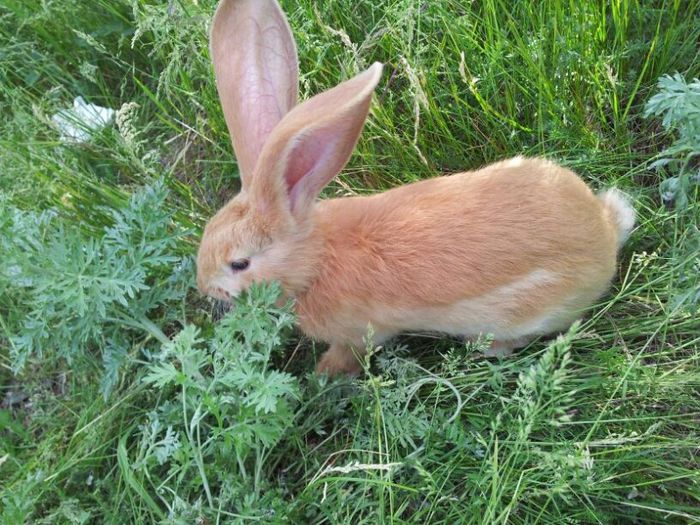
<point x="127" y="398"/>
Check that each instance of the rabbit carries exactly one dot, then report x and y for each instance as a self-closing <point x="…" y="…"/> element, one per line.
<point x="517" y="249"/>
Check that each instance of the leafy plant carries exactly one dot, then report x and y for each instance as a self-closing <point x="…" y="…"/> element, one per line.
<point x="678" y="102"/>
<point x="69" y="291"/>
<point x="222" y="409"/>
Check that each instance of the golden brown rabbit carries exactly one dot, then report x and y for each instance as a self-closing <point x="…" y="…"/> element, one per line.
<point x="516" y="249"/>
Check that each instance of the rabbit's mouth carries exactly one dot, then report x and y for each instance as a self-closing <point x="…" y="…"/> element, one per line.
<point x="219" y="293"/>
<point x="222" y="287"/>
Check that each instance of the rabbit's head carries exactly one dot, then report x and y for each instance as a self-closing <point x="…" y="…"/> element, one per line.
<point x="286" y="152"/>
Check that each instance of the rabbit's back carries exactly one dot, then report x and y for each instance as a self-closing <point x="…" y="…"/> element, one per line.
<point x="514" y="247"/>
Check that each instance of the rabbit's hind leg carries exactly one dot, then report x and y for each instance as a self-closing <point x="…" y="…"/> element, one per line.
<point x="340" y="359"/>
<point x="504" y="348"/>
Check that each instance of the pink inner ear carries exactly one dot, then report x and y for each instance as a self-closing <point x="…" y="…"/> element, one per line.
<point x="313" y="142"/>
<point x="301" y="160"/>
<point x="305" y="172"/>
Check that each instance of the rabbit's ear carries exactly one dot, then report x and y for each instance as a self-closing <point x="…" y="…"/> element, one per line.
<point x="313" y="143"/>
<point x="257" y="73"/>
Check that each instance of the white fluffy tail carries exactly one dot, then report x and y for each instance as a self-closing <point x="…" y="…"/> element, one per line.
<point x="620" y="212"/>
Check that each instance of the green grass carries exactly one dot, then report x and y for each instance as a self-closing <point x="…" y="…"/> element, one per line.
<point x="102" y="423"/>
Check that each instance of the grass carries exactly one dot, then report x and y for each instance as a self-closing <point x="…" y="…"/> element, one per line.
<point x="158" y="411"/>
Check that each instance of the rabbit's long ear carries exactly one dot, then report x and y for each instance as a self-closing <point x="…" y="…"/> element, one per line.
<point x="257" y="73"/>
<point x="313" y="143"/>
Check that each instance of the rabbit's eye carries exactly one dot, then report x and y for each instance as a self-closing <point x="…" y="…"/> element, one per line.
<point x="240" y="265"/>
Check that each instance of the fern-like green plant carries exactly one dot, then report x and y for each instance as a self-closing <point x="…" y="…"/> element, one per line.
<point x="66" y="291"/>
<point x="222" y="408"/>
<point x="678" y="103"/>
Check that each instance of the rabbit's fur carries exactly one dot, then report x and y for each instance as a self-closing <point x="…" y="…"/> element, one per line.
<point x="516" y="249"/>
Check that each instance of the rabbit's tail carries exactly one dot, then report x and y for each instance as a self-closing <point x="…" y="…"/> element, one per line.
<point x="619" y="211"/>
